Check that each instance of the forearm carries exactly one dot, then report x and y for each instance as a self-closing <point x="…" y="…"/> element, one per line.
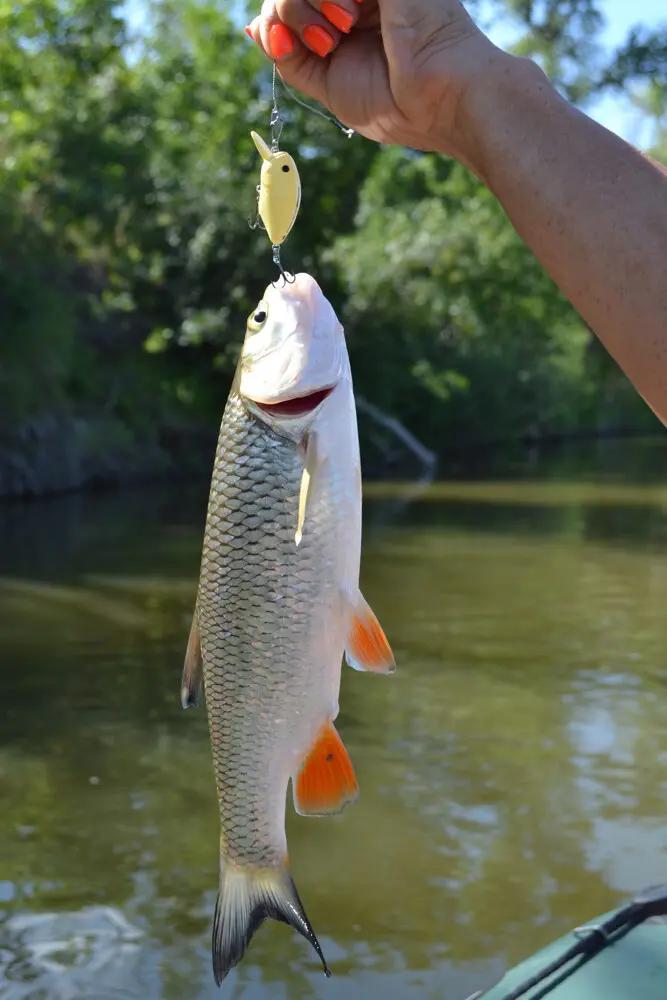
<point x="591" y="208"/>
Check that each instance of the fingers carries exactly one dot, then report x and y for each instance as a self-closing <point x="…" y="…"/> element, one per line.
<point x="298" y="64"/>
<point x="313" y="30"/>
<point x="317" y="25"/>
<point x="342" y="14"/>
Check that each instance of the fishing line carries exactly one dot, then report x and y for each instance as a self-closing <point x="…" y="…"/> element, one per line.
<point x="276" y="122"/>
<point x="349" y="132"/>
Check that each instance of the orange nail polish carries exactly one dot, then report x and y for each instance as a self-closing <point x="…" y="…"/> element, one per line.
<point x="317" y="39"/>
<point x="281" y="42"/>
<point x="338" y="16"/>
<point x="248" y="33"/>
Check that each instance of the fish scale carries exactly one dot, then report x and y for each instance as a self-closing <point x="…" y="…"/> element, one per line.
<point x="260" y="598"/>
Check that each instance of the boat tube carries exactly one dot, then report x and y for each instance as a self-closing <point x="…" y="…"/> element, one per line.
<point x="620" y="956"/>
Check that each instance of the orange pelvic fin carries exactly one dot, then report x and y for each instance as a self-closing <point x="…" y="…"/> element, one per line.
<point x="326" y="781"/>
<point x="367" y="646"/>
<point x="193" y="669"/>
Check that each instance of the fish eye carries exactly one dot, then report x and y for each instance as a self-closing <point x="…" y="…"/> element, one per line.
<point x="286" y="169"/>
<point x="258" y="318"/>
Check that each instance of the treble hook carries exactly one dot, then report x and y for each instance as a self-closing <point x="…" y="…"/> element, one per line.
<point x="287" y="278"/>
<point x="257" y="223"/>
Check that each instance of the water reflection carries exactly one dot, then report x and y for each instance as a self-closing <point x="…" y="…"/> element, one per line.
<point x="512" y="771"/>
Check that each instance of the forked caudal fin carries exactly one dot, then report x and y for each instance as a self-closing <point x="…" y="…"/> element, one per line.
<point x="246" y="898"/>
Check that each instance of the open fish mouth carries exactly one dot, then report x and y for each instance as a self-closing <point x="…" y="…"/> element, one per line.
<point x="298" y="406"/>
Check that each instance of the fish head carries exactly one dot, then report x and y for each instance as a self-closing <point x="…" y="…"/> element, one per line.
<point x="294" y="356"/>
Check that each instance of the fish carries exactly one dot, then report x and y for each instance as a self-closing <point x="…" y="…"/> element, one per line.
<point x="278" y="605"/>
<point x="279" y="191"/>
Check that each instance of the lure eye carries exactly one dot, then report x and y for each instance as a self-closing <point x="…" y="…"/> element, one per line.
<point x="286" y="169"/>
<point x="258" y="318"/>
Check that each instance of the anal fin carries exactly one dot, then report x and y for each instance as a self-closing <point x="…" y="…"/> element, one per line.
<point x="367" y="647"/>
<point x="193" y="669"/>
<point x="326" y="781"/>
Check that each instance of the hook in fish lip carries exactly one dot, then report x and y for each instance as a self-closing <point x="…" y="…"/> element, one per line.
<point x="298" y="406"/>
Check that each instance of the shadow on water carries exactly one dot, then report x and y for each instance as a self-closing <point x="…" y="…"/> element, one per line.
<point x="512" y="771"/>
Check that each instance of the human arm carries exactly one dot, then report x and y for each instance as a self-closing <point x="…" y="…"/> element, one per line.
<point x="591" y="207"/>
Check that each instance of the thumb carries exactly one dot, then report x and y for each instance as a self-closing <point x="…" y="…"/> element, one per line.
<point x="421" y="25"/>
<point x="413" y="13"/>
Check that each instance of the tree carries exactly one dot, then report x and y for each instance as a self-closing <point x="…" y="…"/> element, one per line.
<point x="127" y="265"/>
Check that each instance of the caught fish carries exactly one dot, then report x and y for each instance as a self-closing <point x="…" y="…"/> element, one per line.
<point x="279" y="191"/>
<point x="278" y="605"/>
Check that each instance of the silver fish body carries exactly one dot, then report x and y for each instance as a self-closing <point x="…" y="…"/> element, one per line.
<point x="278" y="604"/>
<point x="264" y="605"/>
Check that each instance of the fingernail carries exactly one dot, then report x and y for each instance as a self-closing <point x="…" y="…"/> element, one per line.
<point x="338" y="16"/>
<point x="317" y="39"/>
<point x="281" y="42"/>
<point x="248" y="33"/>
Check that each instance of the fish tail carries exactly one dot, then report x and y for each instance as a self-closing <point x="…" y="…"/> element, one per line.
<point x="246" y="898"/>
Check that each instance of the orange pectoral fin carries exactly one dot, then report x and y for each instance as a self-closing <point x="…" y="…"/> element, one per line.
<point x="326" y="781"/>
<point x="367" y="646"/>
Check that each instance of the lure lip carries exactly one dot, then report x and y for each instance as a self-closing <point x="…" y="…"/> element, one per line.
<point x="262" y="148"/>
<point x="296" y="406"/>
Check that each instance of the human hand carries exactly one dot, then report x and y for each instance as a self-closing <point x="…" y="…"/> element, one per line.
<point x="397" y="71"/>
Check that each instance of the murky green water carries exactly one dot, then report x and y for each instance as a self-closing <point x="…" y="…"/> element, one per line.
<point x="513" y="771"/>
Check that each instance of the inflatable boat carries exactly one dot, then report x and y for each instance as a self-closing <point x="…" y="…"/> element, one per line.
<point x="620" y="956"/>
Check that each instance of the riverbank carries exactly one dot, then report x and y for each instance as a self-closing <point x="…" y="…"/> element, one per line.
<point x="66" y="452"/>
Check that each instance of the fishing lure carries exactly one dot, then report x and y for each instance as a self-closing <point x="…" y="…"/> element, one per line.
<point x="279" y="190"/>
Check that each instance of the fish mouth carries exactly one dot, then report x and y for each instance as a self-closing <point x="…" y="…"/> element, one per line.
<point x="299" y="406"/>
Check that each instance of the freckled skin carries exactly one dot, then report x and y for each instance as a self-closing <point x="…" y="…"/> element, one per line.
<point x="271" y="624"/>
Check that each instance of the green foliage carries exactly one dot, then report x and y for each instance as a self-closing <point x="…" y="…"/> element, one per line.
<point x="562" y="35"/>
<point x="483" y="344"/>
<point x="127" y="265"/>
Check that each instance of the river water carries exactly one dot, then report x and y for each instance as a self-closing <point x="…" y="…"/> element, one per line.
<point x="513" y="771"/>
